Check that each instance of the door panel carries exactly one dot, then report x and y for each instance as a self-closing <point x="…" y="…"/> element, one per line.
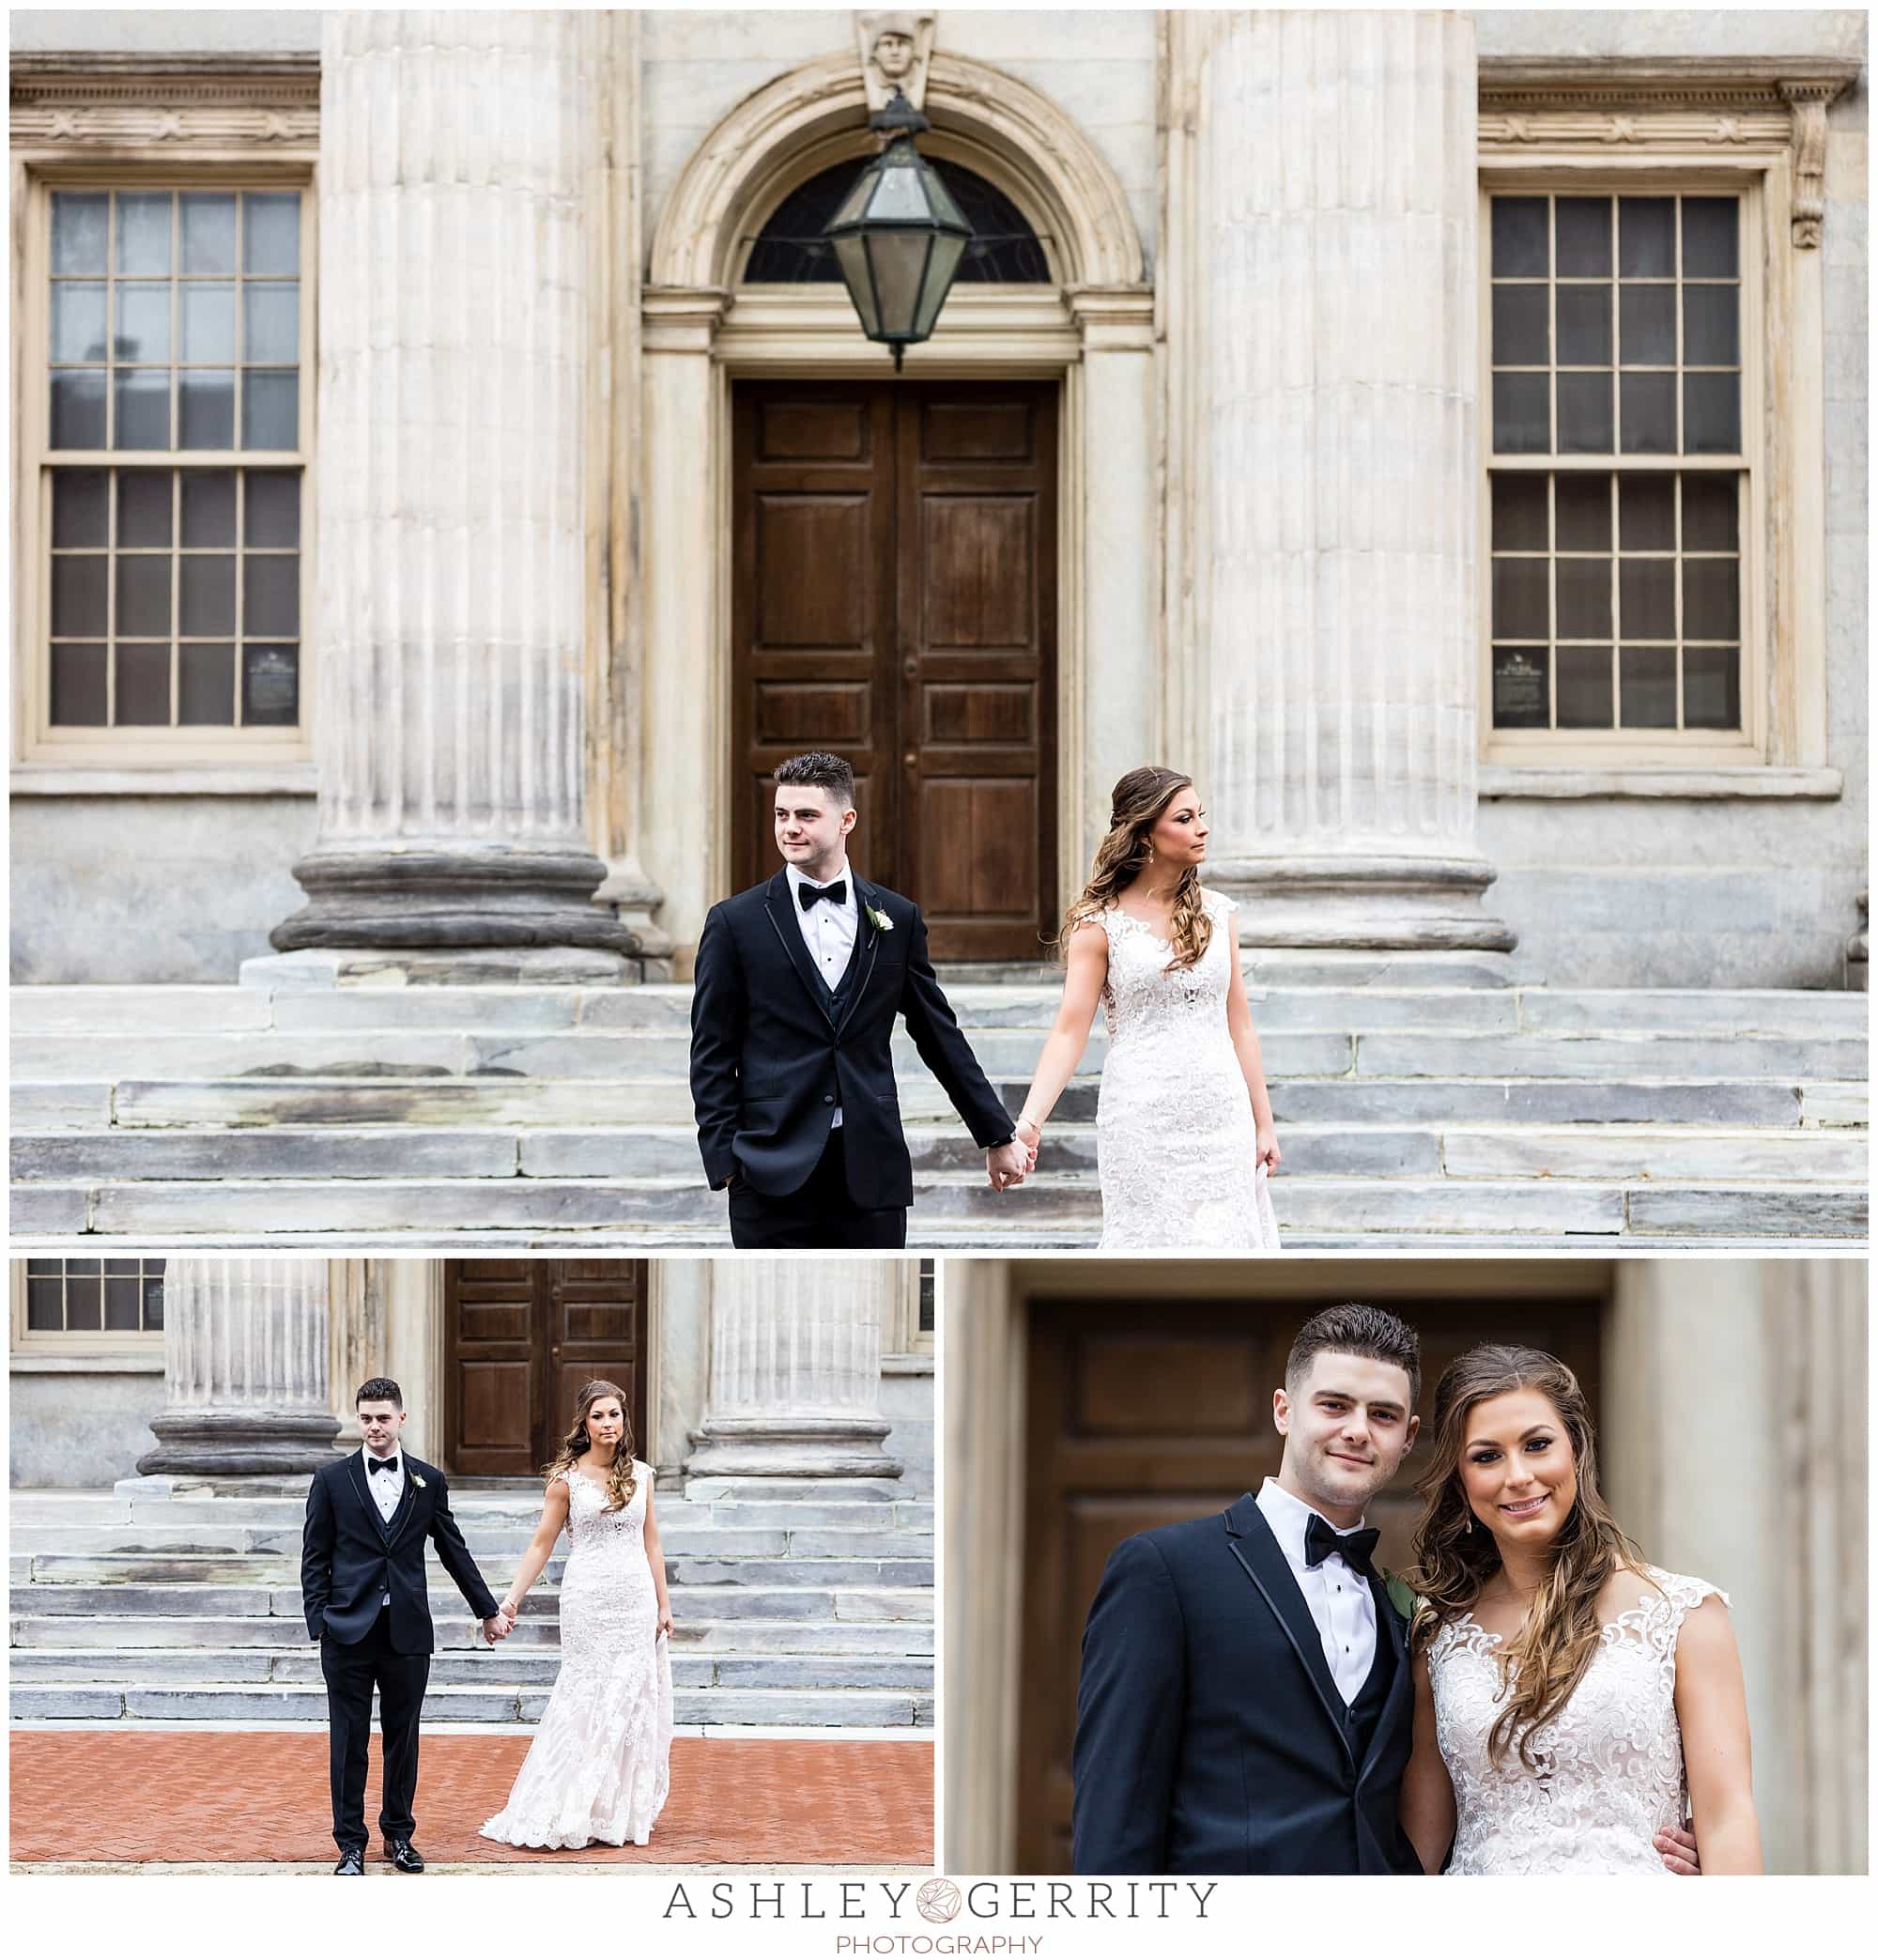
<point x="895" y="601"/>
<point x="1139" y="1417"/>
<point x="521" y="1338"/>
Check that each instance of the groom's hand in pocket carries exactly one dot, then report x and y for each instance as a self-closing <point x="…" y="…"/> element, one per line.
<point x="1676" y="1847"/>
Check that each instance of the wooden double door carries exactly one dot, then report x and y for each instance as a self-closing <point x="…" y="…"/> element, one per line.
<point x="895" y="601"/>
<point x="1140" y="1417"/>
<point x="522" y="1337"/>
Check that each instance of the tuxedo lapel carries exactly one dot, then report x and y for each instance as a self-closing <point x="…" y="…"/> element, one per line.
<point x="778" y="902"/>
<point x="866" y="944"/>
<point x="1253" y="1545"/>
<point x="406" y="1505"/>
<point x="361" y="1482"/>
<point x="1389" y="1626"/>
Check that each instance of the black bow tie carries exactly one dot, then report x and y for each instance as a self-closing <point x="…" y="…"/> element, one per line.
<point x="375" y="1464"/>
<point x="837" y="893"/>
<point x="1354" y="1548"/>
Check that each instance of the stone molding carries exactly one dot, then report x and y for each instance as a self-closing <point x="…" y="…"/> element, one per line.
<point x="1085" y="211"/>
<point x="191" y="101"/>
<point x="1754" y="104"/>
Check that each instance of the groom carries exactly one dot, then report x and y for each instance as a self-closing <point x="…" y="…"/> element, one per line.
<point x="798" y="984"/>
<point x="363" y="1589"/>
<point x="1247" y="1702"/>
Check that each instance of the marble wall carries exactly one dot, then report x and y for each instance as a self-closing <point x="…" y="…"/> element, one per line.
<point x="70" y="1428"/>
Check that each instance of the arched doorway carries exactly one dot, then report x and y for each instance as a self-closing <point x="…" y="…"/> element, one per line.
<point x="1083" y="338"/>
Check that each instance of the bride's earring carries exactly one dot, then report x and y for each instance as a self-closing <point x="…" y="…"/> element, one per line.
<point x="1150" y="850"/>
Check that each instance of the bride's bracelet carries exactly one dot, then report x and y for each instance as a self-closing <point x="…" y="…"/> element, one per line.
<point x="1032" y="1121"/>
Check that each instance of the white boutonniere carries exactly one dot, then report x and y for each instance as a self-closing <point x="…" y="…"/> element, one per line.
<point x="417" y="1480"/>
<point x="882" y="922"/>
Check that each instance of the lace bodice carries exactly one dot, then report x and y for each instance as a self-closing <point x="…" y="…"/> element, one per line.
<point x="1175" y="1144"/>
<point x="1143" y="1002"/>
<point x="1610" y="1762"/>
<point x="597" y="1771"/>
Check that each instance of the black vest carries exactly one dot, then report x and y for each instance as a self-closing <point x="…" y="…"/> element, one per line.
<point x="1361" y="1715"/>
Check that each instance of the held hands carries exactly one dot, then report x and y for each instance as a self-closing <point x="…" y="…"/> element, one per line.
<point x="1676" y="1847"/>
<point x="1008" y="1165"/>
<point x="497" y="1627"/>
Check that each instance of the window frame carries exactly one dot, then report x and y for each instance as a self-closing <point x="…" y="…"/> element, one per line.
<point x="65" y="1351"/>
<point x="143" y="166"/>
<point x="1621" y="748"/>
<point x="1550" y="123"/>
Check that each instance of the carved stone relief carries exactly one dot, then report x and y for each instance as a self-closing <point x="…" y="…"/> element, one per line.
<point x="896" y="50"/>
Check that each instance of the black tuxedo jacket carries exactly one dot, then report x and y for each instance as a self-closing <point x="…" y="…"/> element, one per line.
<point x="770" y="1058"/>
<point x="350" y="1558"/>
<point x="1206" y="1734"/>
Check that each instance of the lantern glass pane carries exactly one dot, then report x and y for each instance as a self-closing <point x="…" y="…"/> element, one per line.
<point x="947" y="253"/>
<point x="898" y="260"/>
<point x="899" y="195"/>
<point x="851" y="254"/>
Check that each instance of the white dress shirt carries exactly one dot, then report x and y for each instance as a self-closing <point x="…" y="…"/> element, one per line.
<point x="829" y="930"/>
<point x="1341" y="1603"/>
<point x="387" y="1488"/>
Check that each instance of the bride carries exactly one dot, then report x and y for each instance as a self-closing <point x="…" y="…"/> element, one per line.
<point x="1184" y="1138"/>
<point x="1572" y="1703"/>
<point x="598" y="1769"/>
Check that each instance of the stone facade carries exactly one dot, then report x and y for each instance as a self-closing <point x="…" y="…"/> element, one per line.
<point x="1603" y="884"/>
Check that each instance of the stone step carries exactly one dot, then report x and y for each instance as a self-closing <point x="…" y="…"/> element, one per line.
<point x="718" y="1599"/>
<point x="545" y="1212"/>
<point x="1311" y="1149"/>
<point x="609" y="1057"/>
<point x="1315" y="996"/>
<point x="168" y="1569"/>
<point x="113" y="1633"/>
<point x="270" y="1701"/>
<point x="545" y="1107"/>
<point x="506" y="1667"/>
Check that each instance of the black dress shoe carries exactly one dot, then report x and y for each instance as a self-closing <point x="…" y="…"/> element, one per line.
<point x="351" y="1865"/>
<point x="404" y="1854"/>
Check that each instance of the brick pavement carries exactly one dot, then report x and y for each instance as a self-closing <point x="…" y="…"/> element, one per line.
<point x="261" y="1796"/>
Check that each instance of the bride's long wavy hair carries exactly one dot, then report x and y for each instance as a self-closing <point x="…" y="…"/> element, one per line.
<point x="622" y="1483"/>
<point x="1454" y="1556"/>
<point x="1137" y="803"/>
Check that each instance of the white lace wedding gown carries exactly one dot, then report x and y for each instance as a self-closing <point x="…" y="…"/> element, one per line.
<point x="1176" y="1148"/>
<point x="599" y="1766"/>
<point x="1610" y="1762"/>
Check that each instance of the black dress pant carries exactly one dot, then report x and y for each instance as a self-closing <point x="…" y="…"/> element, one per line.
<point x="818" y="1217"/>
<point x="351" y="1674"/>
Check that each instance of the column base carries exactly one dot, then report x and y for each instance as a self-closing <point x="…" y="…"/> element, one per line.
<point x="245" y="1443"/>
<point x="321" y="967"/>
<point x="1364" y="904"/>
<point x="791" y="1446"/>
<point x="398" y="900"/>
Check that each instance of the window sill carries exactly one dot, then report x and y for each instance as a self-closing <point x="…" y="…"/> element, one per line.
<point x="285" y="778"/>
<point x="108" y="1361"/>
<point x="1701" y="783"/>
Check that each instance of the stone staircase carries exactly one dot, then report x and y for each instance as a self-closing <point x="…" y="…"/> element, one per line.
<point x="1417" y="1098"/>
<point x="797" y="1604"/>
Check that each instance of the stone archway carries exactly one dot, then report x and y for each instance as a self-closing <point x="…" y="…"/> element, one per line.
<point x="1092" y="329"/>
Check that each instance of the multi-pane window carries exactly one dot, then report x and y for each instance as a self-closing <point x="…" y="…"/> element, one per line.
<point x="95" y="1296"/>
<point x="1618" y="479"/>
<point x="927" y="1310"/>
<point x="175" y="459"/>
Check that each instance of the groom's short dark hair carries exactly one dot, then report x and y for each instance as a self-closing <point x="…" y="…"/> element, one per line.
<point x="380" y="1388"/>
<point x="1350" y="1329"/>
<point x="822" y="771"/>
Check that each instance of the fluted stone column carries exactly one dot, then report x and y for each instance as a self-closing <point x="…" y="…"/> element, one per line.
<point x="796" y="1367"/>
<point x="450" y="610"/>
<point x="244" y="1369"/>
<point x="1330" y="259"/>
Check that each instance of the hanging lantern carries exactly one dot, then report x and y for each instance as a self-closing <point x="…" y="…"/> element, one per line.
<point x="899" y="236"/>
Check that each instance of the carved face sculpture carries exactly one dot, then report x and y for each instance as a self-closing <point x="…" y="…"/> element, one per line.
<point x="893" y="54"/>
